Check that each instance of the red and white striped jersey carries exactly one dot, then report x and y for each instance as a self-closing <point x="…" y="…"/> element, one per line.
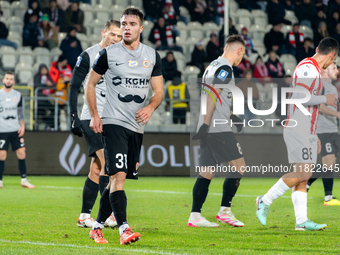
<point x="307" y="74"/>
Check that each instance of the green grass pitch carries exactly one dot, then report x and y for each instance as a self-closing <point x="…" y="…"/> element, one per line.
<point x="43" y="220"/>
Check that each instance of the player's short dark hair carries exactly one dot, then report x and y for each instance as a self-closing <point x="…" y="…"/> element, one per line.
<point x="134" y="11"/>
<point x="7" y="72"/>
<point x="235" y="39"/>
<point x="308" y="39"/>
<point x="111" y="22"/>
<point x="328" y="45"/>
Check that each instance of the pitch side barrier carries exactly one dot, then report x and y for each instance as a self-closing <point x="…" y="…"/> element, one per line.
<point x="163" y="154"/>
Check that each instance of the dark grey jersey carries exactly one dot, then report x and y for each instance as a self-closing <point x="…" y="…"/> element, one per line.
<point x="127" y="77"/>
<point x="327" y="123"/>
<point x="220" y="72"/>
<point x="80" y="74"/>
<point x="10" y="111"/>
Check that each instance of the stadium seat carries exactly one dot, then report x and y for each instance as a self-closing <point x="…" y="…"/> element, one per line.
<point x="307" y="32"/>
<point x="118" y="9"/>
<point x="85" y="7"/>
<point x="16" y="28"/>
<point x="84" y="44"/>
<point x="285" y="29"/>
<point x="261" y="21"/>
<point x="55" y="53"/>
<point x="288" y="58"/>
<point x="194" y="26"/>
<point x="252" y="57"/>
<point x="82" y="37"/>
<point x="19" y="12"/>
<point x="244" y="20"/>
<point x="106" y="3"/>
<point x="257" y="32"/>
<point x="162" y="53"/>
<point x="137" y="3"/>
<point x="233" y="7"/>
<point x="185" y="13"/>
<point x="261" y="50"/>
<point x="5" y="4"/>
<point x="210" y="26"/>
<point x="289" y="66"/>
<point x="23" y="66"/>
<point x="242" y="13"/>
<point x="148" y="43"/>
<point x="26" y="58"/>
<point x="6" y="10"/>
<point x="37" y="64"/>
<point x="43" y="59"/>
<point x="18" y="5"/>
<point x="8" y="60"/>
<point x="93" y="39"/>
<point x="190" y="45"/>
<point x="121" y="2"/>
<point x="290" y="15"/>
<point x="191" y="72"/>
<point x="7" y="49"/>
<point x="88" y="17"/>
<point x="103" y="14"/>
<point x="258" y="13"/>
<point x="25" y="50"/>
<point x="24" y="76"/>
<point x="61" y="36"/>
<point x="196" y="33"/>
<point x="41" y="51"/>
<point x="268" y="27"/>
<point x="15" y="37"/>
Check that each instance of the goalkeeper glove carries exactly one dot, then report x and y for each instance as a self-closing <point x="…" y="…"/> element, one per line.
<point x="76" y="125"/>
<point x="202" y="132"/>
<point x="234" y="118"/>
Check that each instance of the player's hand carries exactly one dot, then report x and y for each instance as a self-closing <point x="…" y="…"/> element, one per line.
<point x="143" y="115"/>
<point x="96" y="124"/>
<point x="331" y="100"/>
<point x="319" y="146"/>
<point x="234" y="118"/>
<point x="202" y="132"/>
<point x="21" y="131"/>
<point x="76" y="125"/>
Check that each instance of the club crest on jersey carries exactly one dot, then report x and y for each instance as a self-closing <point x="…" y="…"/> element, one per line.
<point x="146" y="63"/>
<point x="222" y="75"/>
<point x="316" y="92"/>
<point x="133" y="63"/>
<point x="15" y="99"/>
<point x="78" y="61"/>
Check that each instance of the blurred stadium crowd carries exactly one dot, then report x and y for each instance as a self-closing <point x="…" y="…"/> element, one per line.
<point x="41" y="39"/>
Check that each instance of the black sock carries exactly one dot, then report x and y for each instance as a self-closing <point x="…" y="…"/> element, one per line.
<point x="2" y="168"/>
<point x="22" y="167"/>
<point x="104" y="207"/>
<point x="103" y="182"/>
<point x="199" y="193"/>
<point x="90" y="193"/>
<point x="315" y="174"/>
<point x="118" y="203"/>
<point x="328" y="180"/>
<point x="230" y="186"/>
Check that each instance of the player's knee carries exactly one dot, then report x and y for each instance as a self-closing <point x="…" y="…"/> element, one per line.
<point x="21" y="153"/>
<point x="3" y="155"/>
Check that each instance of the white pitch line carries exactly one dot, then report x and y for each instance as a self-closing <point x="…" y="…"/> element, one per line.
<point x="90" y="247"/>
<point x="162" y="191"/>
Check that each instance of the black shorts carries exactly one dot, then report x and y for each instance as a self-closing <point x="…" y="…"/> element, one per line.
<point x="13" y="138"/>
<point x="94" y="141"/>
<point x="121" y="150"/>
<point x="329" y="143"/>
<point x="219" y="147"/>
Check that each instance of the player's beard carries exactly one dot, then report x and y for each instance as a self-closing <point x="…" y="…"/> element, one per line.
<point x="8" y="87"/>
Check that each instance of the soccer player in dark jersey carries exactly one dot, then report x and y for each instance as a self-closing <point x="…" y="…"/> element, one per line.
<point x="129" y="68"/>
<point x="12" y="127"/>
<point x="327" y="132"/>
<point x="218" y="143"/>
<point x="111" y="34"/>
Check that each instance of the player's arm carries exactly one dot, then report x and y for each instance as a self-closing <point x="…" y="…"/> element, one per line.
<point x="99" y="68"/>
<point x="324" y="109"/>
<point x="79" y="73"/>
<point x="143" y="115"/>
<point x="21" y="130"/>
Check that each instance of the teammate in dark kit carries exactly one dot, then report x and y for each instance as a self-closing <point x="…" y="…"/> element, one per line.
<point x="129" y="68"/>
<point x="218" y="143"/>
<point x="97" y="179"/>
<point x="12" y="127"/>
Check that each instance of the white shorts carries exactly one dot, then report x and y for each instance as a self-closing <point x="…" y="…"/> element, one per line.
<point x="301" y="148"/>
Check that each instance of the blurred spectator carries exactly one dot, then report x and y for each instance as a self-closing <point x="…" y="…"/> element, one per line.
<point x="198" y="56"/>
<point x="321" y="33"/>
<point x="320" y="16"/>
<point x="336" y="32"/>
<point x="43" y="79"/>
<point x="199" y="11"/>
<point x="213" y="50"/>
<point x="163" y="37"/>
<point x="261" y="72"/>
<point x="34" y="8"/>
<point x="31" y="33"/>
<point x="43" y="4"/>
<point x="4" y="34"/>
<point x="169" y="66"/>
<point x="75" y="17"/>
<point x="333" y="20"/>
<point x="152" y="8"/>
<point x="274" y="40"/>
<point x="220" y="12"/>
<point x="289" y="5"/>
<point x="48" y="33"/>
<point x="71" y="47"/>
<point x="171" y="12"/>
<point x="276" y="13"/>
<point x="56" y="15"/>
<point x="211" y="13"/>
<point x="294" y="39"/>
<point x="60" y="70"/>
<point x="305" y="51"/>
<point x="244" y="64"/>
<point x="244" y="84"/>
<point x="190" y="5"/>
<point x="247" y="41"/>
<point x="274" y="66"/>
<point x="305" y="12"/>
<point x="232" y="31"/>
<point x="178" y="91"/>
<point x="333" y="6"/>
